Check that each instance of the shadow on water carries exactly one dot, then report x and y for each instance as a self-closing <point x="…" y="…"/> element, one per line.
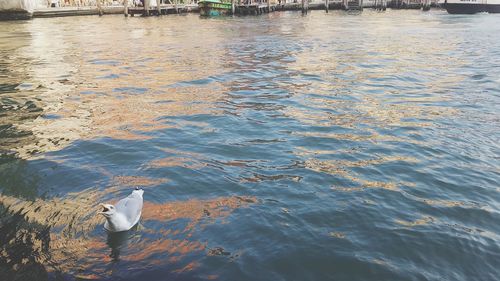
<point x="22" y="247"/>
<point x="119" y="241"/>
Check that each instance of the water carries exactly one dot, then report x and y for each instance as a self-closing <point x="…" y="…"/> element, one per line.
<point x="277" y="147"/>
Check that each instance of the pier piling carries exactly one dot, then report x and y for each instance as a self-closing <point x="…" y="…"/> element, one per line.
<point x="426" y="5"/>
<point x="125" y="8"/>
<point x="99" y="7"/>
<point x="146" y="8"/>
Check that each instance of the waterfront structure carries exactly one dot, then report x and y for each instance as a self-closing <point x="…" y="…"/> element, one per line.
<point x="17" y="9"/>
<point x="214" y="7"/>
<point x="472" y="6"/>
<point x="25" y="9"/>
<point x="255" y="7"/>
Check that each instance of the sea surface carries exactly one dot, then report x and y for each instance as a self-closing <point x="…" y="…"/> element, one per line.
<point x="331" y="146"/>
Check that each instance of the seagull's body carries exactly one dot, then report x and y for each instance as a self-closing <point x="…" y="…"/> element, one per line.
<point x="125" y="214"/>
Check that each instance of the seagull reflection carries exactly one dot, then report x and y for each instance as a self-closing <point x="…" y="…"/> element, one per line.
<point x="119" y="241"/>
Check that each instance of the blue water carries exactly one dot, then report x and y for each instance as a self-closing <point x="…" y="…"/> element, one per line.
<point x="276" y="147"/>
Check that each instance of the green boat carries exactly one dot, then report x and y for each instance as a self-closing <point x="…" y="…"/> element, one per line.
<point x="214" y="7"/>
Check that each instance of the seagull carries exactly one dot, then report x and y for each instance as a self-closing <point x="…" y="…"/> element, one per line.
<point x="126" y="214"/>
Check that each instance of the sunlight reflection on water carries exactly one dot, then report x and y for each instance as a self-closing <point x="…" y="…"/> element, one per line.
<point x="277" y="147"/>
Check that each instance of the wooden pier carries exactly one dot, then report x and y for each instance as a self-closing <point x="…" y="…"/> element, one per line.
<point x="76" y="11"/>
<point x="160" y="7"/>
<point x="241" y="7"/>
<point x="254" y="7"/>
<point x="155" y="11"/>
<point x="407" y="4"/>
<point x="332" y="5"/>
<point x="352" y="5"/>
<point x="380" y="5"/>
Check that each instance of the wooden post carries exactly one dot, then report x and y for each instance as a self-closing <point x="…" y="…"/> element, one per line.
<point x="125" y="7"/>
<point x="158" y="7"/>
<point x="304" y="11"/>
<point x="176" y="10"/>
<point x="99" y="7"/>
<point x="268" y="6"/>
<point x="233" y="8"/>
<point x="146" y="7"/>
<point x="326" y="6"/>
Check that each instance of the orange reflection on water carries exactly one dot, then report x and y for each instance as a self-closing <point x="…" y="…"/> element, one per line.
<point x="343" y="169"/>
<point x="195" y="210"/>
<point x="337" y="234"/>
<point x="174" y="161"/>
<point x="186" y="159"/>
<point x="188" y="267"/>
<point x="146" y="249"/>
<point x="94" y="87"/>
<point x="418" y="222"/>
<point x="137" y="181"/>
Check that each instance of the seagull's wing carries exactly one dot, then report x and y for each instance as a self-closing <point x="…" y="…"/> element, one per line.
<point x="131" y="207"/>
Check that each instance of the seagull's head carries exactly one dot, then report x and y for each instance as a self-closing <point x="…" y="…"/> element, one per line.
<point x="138" y="190"/>
<point x="108" y="210"/>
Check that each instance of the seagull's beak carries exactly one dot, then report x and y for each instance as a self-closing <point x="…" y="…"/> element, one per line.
<point x="104" y="209"/>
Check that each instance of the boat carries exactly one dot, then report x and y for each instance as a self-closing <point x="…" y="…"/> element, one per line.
<point x="472" y="6"/>
<point x="214" y="7"/>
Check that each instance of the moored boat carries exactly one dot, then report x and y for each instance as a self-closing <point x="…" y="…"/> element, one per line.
<point x="214" y="8"/>
<point x="472" y="6"/>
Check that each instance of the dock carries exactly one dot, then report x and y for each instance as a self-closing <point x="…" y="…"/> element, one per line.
<point x="407" y="4"/>
<point x="164" y="9"/>
<point x="76" y="11"/>
<point x="113" y="10"/>
<point x="255" y="8"/>
<point x="241" y="7"/>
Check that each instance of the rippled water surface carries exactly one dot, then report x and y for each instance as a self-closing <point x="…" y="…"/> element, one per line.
<point x="278" y="147"/>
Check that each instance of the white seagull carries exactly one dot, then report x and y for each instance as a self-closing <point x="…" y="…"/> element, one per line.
<point x="126" y="214"/>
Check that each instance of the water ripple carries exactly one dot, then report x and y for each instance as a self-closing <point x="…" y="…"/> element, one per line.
<point x="277" y="147"/>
